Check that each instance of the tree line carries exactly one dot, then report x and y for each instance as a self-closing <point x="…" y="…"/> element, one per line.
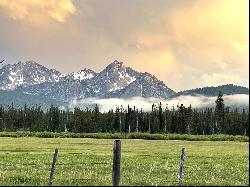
<point x="181" y="120"/>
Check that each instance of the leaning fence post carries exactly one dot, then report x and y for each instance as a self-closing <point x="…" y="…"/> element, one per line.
<point x="181" y="171"/>
<point x="52" y="167"/>
<point x="116" y="163"/>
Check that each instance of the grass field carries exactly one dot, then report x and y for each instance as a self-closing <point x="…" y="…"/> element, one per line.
<point x="133" y="135"/>
<point x="27" y="160"/>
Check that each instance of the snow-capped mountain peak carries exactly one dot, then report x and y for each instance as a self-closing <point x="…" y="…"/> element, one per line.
<point x="31" y="73"/>
<point x="146" y="85"/>
<point x="116" y="80"/>
<point x="85" y="74"/>
<point x="116" y="65"/>
<point x="26" y="73"/>
<point x="115" y="76"/>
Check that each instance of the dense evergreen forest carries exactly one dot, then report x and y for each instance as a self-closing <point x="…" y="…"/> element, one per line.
<point x="227" y="89"/>
<point x="181" y="120"/>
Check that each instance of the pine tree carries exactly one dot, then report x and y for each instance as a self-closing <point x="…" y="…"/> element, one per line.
<point x="245" y="122"/>
<point x="116" y="125"/>
<point x="96" y="119"/>
<point x="2" y="127"/>
<point x="182" y="123"/>
<point x="1" y="124"/>
<point x="189" y="119"/>
<point x="220" y="114"/>
<point x="161" y="120"/>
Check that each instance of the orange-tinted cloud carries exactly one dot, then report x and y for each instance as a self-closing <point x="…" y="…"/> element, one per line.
<point x="213" y="29"/>
<point x="215" y="79"/>
<point x="31" y="10"/>
<point x="185" y="43"/>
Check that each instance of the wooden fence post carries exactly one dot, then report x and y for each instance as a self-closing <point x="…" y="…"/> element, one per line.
<point x="116" y="163"/>
<point x="181" y="171"/>
<point x="53" y="167"/>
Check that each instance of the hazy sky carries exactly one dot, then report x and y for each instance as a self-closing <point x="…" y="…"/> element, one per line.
<point x="185" y="43"/>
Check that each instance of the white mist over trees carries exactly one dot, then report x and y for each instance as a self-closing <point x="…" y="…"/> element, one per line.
<point x="236" y="100"/>
<point x="182" y="119"/>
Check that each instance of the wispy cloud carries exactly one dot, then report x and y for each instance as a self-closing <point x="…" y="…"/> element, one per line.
<point x="146" y="103"/>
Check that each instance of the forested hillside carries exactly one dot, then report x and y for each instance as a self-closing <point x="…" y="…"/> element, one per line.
<point x="19" y="99"/>
<point x="228" y="89"/>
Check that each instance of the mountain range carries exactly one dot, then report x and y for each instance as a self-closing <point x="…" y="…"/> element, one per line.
<point x="32" y="80"/>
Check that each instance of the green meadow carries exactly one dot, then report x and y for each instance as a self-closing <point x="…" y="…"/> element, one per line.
<point x="88" y="161"/>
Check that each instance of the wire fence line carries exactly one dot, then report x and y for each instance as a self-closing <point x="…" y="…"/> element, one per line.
<point x="115" y="176"/>
<point x="116" y="173"/>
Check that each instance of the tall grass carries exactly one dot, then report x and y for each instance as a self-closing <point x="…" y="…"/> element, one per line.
<point x="147" y="136"/>
<point x="88" y="162"/>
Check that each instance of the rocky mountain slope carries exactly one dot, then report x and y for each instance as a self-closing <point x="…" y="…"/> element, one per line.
<point x="115" y="81"/>
<point x="26" y="73"/>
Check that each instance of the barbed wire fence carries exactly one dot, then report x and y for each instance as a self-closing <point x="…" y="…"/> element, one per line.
<point x="115" y="175"/>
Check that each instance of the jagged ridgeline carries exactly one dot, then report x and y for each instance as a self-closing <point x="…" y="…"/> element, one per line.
<point x="31" y="83"/>
<point x="113" y="81"/>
